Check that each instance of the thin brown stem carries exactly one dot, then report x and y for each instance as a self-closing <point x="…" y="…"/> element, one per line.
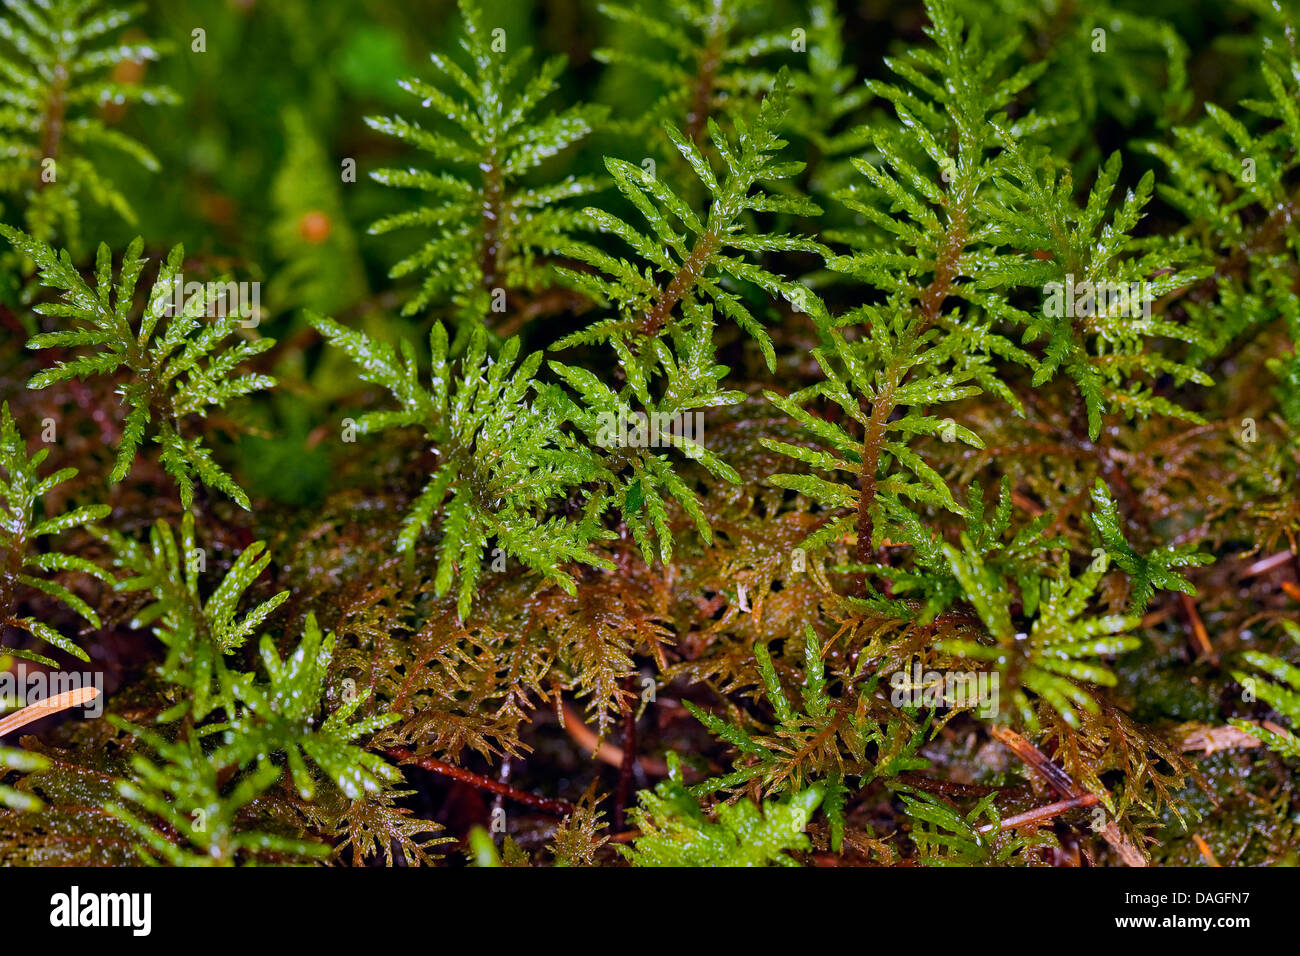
<point x="1060" y="781"/>
<point x="931" y="302"/>
<point x="683" y="280"/>
<point x="707" y="74"/>
<point x="493" y="190"/>
<point x="546" y="804"/>
<point x="1042" y="814"/>
<point x="55" y="110"/>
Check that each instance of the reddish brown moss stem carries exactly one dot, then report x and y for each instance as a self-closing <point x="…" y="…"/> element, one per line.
<point x="931" y="301"/>
<point x="546" y="804"/>
<point x="493" y="188"/>
<point x="55" y="109"/>
<point x="706" y="75"/>
<point x="684" y="279"/>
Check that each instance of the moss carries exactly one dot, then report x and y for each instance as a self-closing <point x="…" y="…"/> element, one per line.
<point x="683" y="435"/>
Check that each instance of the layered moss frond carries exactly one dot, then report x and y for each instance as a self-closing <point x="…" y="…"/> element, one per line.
<point x="933" y="339"/>
<point x="778" y="758"/>
<point x="701" y="255"/>
<point x="495" y="230"/>
<point x="173" y="355"/>
<point x="676" y="831"/>
<point x="1022" y="555"/>
<point x="1097" y="286"/>
<point x="58" y="60"/>
<point x="1233" y="178"/>
<point x="630" y="429"/>
<point x="688" y="271"/>
<point x="504" y="458"/>
<point x="199" y="632"/>
<point x="703" y="58"/>
<point x="1061" y="656"/>
<point x="1104" y="62"/>
<point x="689" y="522"/>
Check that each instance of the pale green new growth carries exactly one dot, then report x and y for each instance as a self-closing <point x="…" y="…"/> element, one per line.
<point x="285" y="709"/>
<point x="185" y="790"/>
<point x="24" y="562"/>
<point x="1105" y="62"/>
<point x="504" y="457"/>
<point x="174" y="357"/>
<point x="1063" y="652"/>
<point x="675" y="831"/>
<point x="261" y="729"/>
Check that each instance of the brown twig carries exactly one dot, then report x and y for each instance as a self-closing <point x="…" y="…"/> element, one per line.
<point x="1200" y="637"/>
<point x="1267" y="564"/>
<point x="546" y="804"/>
<point x="1043" y="813"/>
<point x="1206" y="852"/>
<point x="603" y="750"/>
<point x="1060" y="781"/>
<point x="1057" y="778"/>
